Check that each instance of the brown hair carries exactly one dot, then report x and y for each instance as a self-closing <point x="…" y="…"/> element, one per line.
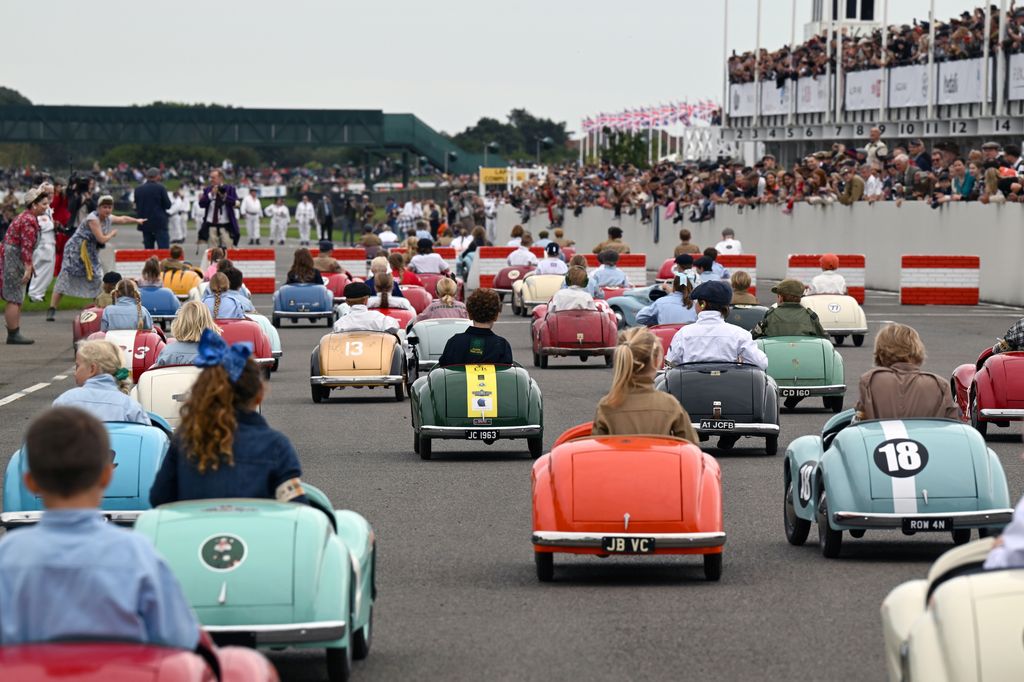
<point x="740" y="281"/>
<point x="219" y="283"/>
<point x="483" y="305"/>
<point x="216" y="253"/>
<point x="302" y="265"/>
<point x="576" y="277"/>
<point x="66" y="449"/>
<point x="397" y="261"/>
<point x="684" y="235"/>
<point x="446" y="288"/>
<point x="127" y="288"/>
<point x="898" y="343"/>
<point x="384" y="283"/>
<point x="207" y="428"/>
<point x="151" y="269"/>
<point x="579" y="260"/>
<point x="517" y="231"/>
<point x="638" y="349"/>
<point x="176" y="252"/>
<point x="685" y="286"/>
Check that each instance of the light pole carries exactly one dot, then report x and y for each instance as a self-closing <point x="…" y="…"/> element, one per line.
<point x="491" y="147"/>
<point x="546" y="142"/>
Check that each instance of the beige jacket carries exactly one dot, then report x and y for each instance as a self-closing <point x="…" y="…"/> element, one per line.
<point x="645" y="411"/>
<point x="903" y="391"/>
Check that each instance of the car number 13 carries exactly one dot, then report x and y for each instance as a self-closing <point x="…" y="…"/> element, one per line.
<point x="901" y="458"/>
<point x="353" y="348"/>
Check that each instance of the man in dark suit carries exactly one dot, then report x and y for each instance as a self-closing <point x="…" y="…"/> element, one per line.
<point x="152" y="203"/>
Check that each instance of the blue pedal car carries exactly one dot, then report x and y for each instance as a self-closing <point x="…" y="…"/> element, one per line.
<point x="138" y="451"/>
<point x="630" y="303"/>
<point x="913" y="475"/>
<point x="161" y="303"/>
<point x="303" y="302"/>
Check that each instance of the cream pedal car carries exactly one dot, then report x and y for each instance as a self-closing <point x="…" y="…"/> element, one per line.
<point x="841" y="316"/>
<point x="358" y="359"/>
<point x="163" y="390"/>
<point x="532" y="291"/>
<point x="961" y="623"/>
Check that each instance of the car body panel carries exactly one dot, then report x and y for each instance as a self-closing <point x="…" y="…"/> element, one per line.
<point x="181" y="282"/>
<point x="746" y="316"/>
<point x="358" y="358"/>
<point x="839" y="315"/>
<point x="430" y="280"/>
<point x="667" y="332"/>
<point x="276" y="351"/>
<point x="419" y="297"/>
<point x="629" y="304"/>
<point x="336" y="283"/>
<point x="574" y="332"/>
<point x="992" y="388"/>
<point x="163" y="390"/>
<point x="431" y="337"/>
<point x="139" y="349"/>
<point x="809" y="363"/>
<point x="303" y="302"/>
<point x="86" y="323"/>
<point x="506" y="277"/>
<point x="535" y="289"/>
<point x="160" y="301"/>
<point x="244" y="330"/>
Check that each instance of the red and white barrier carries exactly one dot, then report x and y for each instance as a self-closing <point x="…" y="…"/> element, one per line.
<point x="257" y="266"/>
<point x="633" y="264"/>
<point x="805" y="266"/>
<point x="352" y="260"/>
<point x="747" y="262"/>
<point x="446" y="252"/>
<point x="491" y="259"/>
<point x="128" y="262"/>
<point x="940" y="280"/>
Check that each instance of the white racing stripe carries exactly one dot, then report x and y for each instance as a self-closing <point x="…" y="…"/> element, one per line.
<point x="904" y="490"/>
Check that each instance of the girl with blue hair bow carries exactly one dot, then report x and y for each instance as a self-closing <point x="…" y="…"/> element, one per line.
<point x="223" y="447"/>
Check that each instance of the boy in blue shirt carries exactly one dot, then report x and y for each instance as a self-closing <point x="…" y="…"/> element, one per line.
<point x="608" y="274"/>
<point x="74" y="576"/>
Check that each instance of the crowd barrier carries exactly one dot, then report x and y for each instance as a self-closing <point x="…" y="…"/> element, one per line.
<point x="352" y="260"/>
<point x="633" y="264"/>
<point x="804" y="267"/>
<point x="741" y="261"/>
<point x="491" y="259"/>
<point x="128" y="262"/>
<point x="939" y="280"/>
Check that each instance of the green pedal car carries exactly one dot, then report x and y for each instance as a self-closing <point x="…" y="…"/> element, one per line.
<point x="483" y="403"/>
<point x="273" y="575"/>
<point x="804" y="367"/>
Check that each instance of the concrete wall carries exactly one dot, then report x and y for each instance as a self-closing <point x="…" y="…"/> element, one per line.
<point x="882" y="232"/>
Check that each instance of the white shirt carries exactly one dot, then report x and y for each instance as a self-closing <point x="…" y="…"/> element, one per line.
<point x="304" y="212"/>
<point x="179" y="207"/>
<point x="393" y="302"/>
<point x="278" y="213"/>
<point x="251" y="206"/>
<point x="429" y="263"/>
<point x="522" y="256"/>
<point x="552" y="266"/>
<point x="828" y="282"/>
<point x="712" y="339"/>
<point x="360" y="318"/>
<point x="514" y="242"/>
<point x="729" y="246"/>
<point x="46" y="224"/>
<point x="872" y="186"/>
<point x="460" y="243"/>
<point x="388" y="237"/>
<point x="571" y="298"/>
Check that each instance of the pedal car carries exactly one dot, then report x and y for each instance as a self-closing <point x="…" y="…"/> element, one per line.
<point x="139" y="349"/>
<point x="581" y="333"/>
<point x="916" y="475"/>
<point x="430" y="280"/>
<point x="805" y="366"/>
<point x="531" y="291"/>
<point x="427" y="339"/>
<point x="336" y="283"/>
<point x="244" y="330"/>
<point x="959" y="623"/>
<point x="666" y="272"/>
<point x="629" y="304"/>
<point x="665" y="333"/>
<point x="991" y="390"/>
<point x="273" y="337"/>
<point x="402" y="315"/>
<point x="137" y="451"/>
<point x="638" y="495"/>
<point x="746" y="316"/>
<point x="506" y="277"/>
<point x="273" y="574"/>
<point x="94" y="660"/>
<point x="727" y="400"/>
<point x="163" y="390"/>
<point x="303" y="302"/>
<point x="357" y="359"/>
<point x="86" y="323"/>
<point x="419" y="297"/>
<point x="181" y="282"/>
<point x="481" y="403"/>
<point x="841" y="316"/>
<point x="161" y="303"/>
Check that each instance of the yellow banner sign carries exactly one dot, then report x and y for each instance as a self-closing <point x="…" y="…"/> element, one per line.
<point x="481" y="391"/>
<point x="494" y="176"/>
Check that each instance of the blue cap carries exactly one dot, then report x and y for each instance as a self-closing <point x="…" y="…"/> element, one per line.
<point x="715" y="292"/>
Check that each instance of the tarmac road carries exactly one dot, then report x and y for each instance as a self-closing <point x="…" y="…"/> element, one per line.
<point x="458" y="596"/>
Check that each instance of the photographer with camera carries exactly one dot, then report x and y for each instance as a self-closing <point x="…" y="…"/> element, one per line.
<point x="218" y="204"/>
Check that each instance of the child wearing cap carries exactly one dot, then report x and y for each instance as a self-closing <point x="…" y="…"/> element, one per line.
<point x="552" y="263"/>
<point x="607" y="273"/>
<point x="674" y="308"/>
<point x="74" y="576"/>
<point x="711" y="338"/>
<point x="789" y="318"/>
<point x="479" y="344"/>
<point x="829" y="281"/>
<point x="106" y="297"/>
<point x="356" y="316"/>
<point x="102" y="384"/>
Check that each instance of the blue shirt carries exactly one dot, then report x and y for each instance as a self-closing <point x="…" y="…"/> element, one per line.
<point x="263" y="460"/>
<point x="608" y="276"/>
<point x="233" y="305"/>
<point x="75" y="576"/>
<point x="100" y="397"/>
<point x="177" y="353"/>
<point x="124" y="314"/>
<point x="719" y="270"/>
<point x="667" y="310"/>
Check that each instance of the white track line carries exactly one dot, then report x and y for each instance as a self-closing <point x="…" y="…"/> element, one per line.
<point x="31" y="389"/>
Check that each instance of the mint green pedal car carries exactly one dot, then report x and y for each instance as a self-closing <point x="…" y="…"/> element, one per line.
<point x="912" y="475"/>
<point x="805" y="366"/>
<point x="273" y="575"/>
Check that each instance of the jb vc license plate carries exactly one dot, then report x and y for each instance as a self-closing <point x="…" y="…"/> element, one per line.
<point x="621" y="545"/>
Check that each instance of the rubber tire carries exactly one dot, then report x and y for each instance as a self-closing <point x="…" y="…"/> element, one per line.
<point x="830" y="541"/>
<point x="319" y="393"/>
<point x="425" y="450"/>
<point x="276" y="321"/>
<point x="536" y="359"/>
<point x="858" y="340"/>
<point x="961" y="536"/>
<point x="609" y="360"/>
<point x="277" y="363"/>
<point x="399" y="392"/>
<point x="771" y="445"/>
<point x="988" y="532"/>
<point x="362" y="640"/>
<point x="545" y="562"/>
<point x="980" y="426"/>
<point x="713" y="567"/>
<point x="833" y="403"/>
<point x="857" y="533"/>
<point x="544" y="361"/>
<point x="797" y="529"/>
<point x="329" y="321"/>
<point x="416" y="442"/>
<point x="512" y="304"/>
<point x="620" y="319"/>
<point x="339" y="661"/>
<point x="839" y="339"/>
<point x="536" y="445"/>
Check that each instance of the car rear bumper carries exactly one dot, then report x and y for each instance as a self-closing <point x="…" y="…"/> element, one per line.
<point x="554" y="538"/>
<point x="28" y="518"/>
<point x="303" y="315"/>
<point x="365" y="380"/>
<point x="1000" y="413"/>
<point x="265" y="361"/>
<point x="967" y="519"/>
<point x="836" y="331"/>
<point x="528" y="431"/>
<point x="799" y="391"/>
<point x="277" y="353"/>
<point x="741" y="429"/>
<point x="163" y="318"/>
<point x="426" y="365"/>
<point x="575" y="351"/>
<point x="283" y="633"/>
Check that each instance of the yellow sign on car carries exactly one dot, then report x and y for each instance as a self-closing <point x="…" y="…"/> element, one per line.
<point x="481" y="391"/>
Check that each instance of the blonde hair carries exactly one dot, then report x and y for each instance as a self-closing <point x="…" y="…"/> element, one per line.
<point x="107" y="358"/>
<point x="446" y="289"/>
<point x="379" y="265"/>
<point x="128" y="289"/>
<point x="219" y="283"/>
<point x="898" y="343"/>
<point x="383" y="283"/>
<point x="192" y="319"/>
<point x="740" y="281"/>
<point x="638" y="349"/>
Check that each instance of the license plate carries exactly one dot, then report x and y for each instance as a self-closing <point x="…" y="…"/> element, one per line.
<point x="621" y="545"/>
<point x="794" y="392"/>
<point x="927" y="525"/>
<point x="717" y="424"/>
<point x="481" y="435"/>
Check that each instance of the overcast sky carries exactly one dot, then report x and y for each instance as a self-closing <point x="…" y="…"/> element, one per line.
<point x="447" y="61"/>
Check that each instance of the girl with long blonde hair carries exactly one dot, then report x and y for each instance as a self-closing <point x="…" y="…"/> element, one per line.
<point x="187" y="328"/>
<point x="445" y="305"/>
<point x="127" y="311"/>
<point x="103" y="382"/>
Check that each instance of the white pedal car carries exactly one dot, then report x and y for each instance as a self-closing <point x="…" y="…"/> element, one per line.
<point x="841" y="316"/>
<point x="533" y="290"/>
<point x="163" y="390"/>
<point x="960" y="624"/>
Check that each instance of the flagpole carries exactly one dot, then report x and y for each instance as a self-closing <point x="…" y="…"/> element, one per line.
<point x="828" y="54"/>
<point x="757" y="70"/>
<point x="931" y="57"/>
<point x="1001" y="61"/>
<point x="840" y="90"/>
<point x="986" y="107"/>
<point x="790" y="84"/>
<point x="883" y="95"/>
<point x="583" y="143"/>
<point x="725" y="57"/>
<point x="650" y="137"/>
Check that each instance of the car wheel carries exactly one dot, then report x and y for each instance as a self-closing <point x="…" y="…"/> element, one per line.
<point x="858" y="340"/>
<point x="988" y="532"/>
<point x="276" y="321"/>
<point x="839" y="339"/>
<point x="363" y="638"/>
<point x="980" y="426"/>
<point x="833" y="402"/>
<point x="620" y="319"/>
<point x="515" y="308"/>
<point x="536" y="359"/>
<point x="609" y="360"/>
<point x="319" y="393"/>
<point x="544" y="361"/>
<point x="399" y="392"/>
<point x="713" y="567"/>
<point x="830" y="541"/>
<point x="545" y="566"/>
<point x="727" y="442"/>
<point x="771" y="445"/>
<point x="797" y="529"/>
<point x="416" y="442"/>
<point x="961" y="536"/>
<point x="277" y="363"/>
<point x="328" y="322"/>
<point x="536" y="446"/>
<point x="424" y="450"/>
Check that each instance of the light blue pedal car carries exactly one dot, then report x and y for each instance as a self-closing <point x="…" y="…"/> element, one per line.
<point x="913" y="475"/>
<point x="137" y="450"/>
<point x="629" y="304"/>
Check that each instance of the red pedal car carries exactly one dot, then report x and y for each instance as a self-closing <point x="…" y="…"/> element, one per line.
<point x="506" y="277"/>
<point x="641" y="495"/>
<point x="404" y="317"/>
<point x="85" y="323"/>
<point x="336" y="284"/>
<point x="991" y="390"/>
<point x="419" y="297"/>
<point x="666" y="332"/>
<point x="430" y="279"/>
<point x="666" y="272"/>
<point x="247" y="331"/>
<point x="139" y="349"/>
<point x="573" y="332"/>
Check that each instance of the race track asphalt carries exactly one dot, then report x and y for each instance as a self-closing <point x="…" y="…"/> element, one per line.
<point x="458" y="596"/>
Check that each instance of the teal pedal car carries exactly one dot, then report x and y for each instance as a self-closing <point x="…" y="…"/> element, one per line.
<point x="805" y="366"/>
<point x="137" y="450"/>
<point x="482" y="403"/>
<point x="273" y="575"/>
<point x="427" y="339"/>
<point x="913" y="475"/>
<point x="630" y="303"/>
